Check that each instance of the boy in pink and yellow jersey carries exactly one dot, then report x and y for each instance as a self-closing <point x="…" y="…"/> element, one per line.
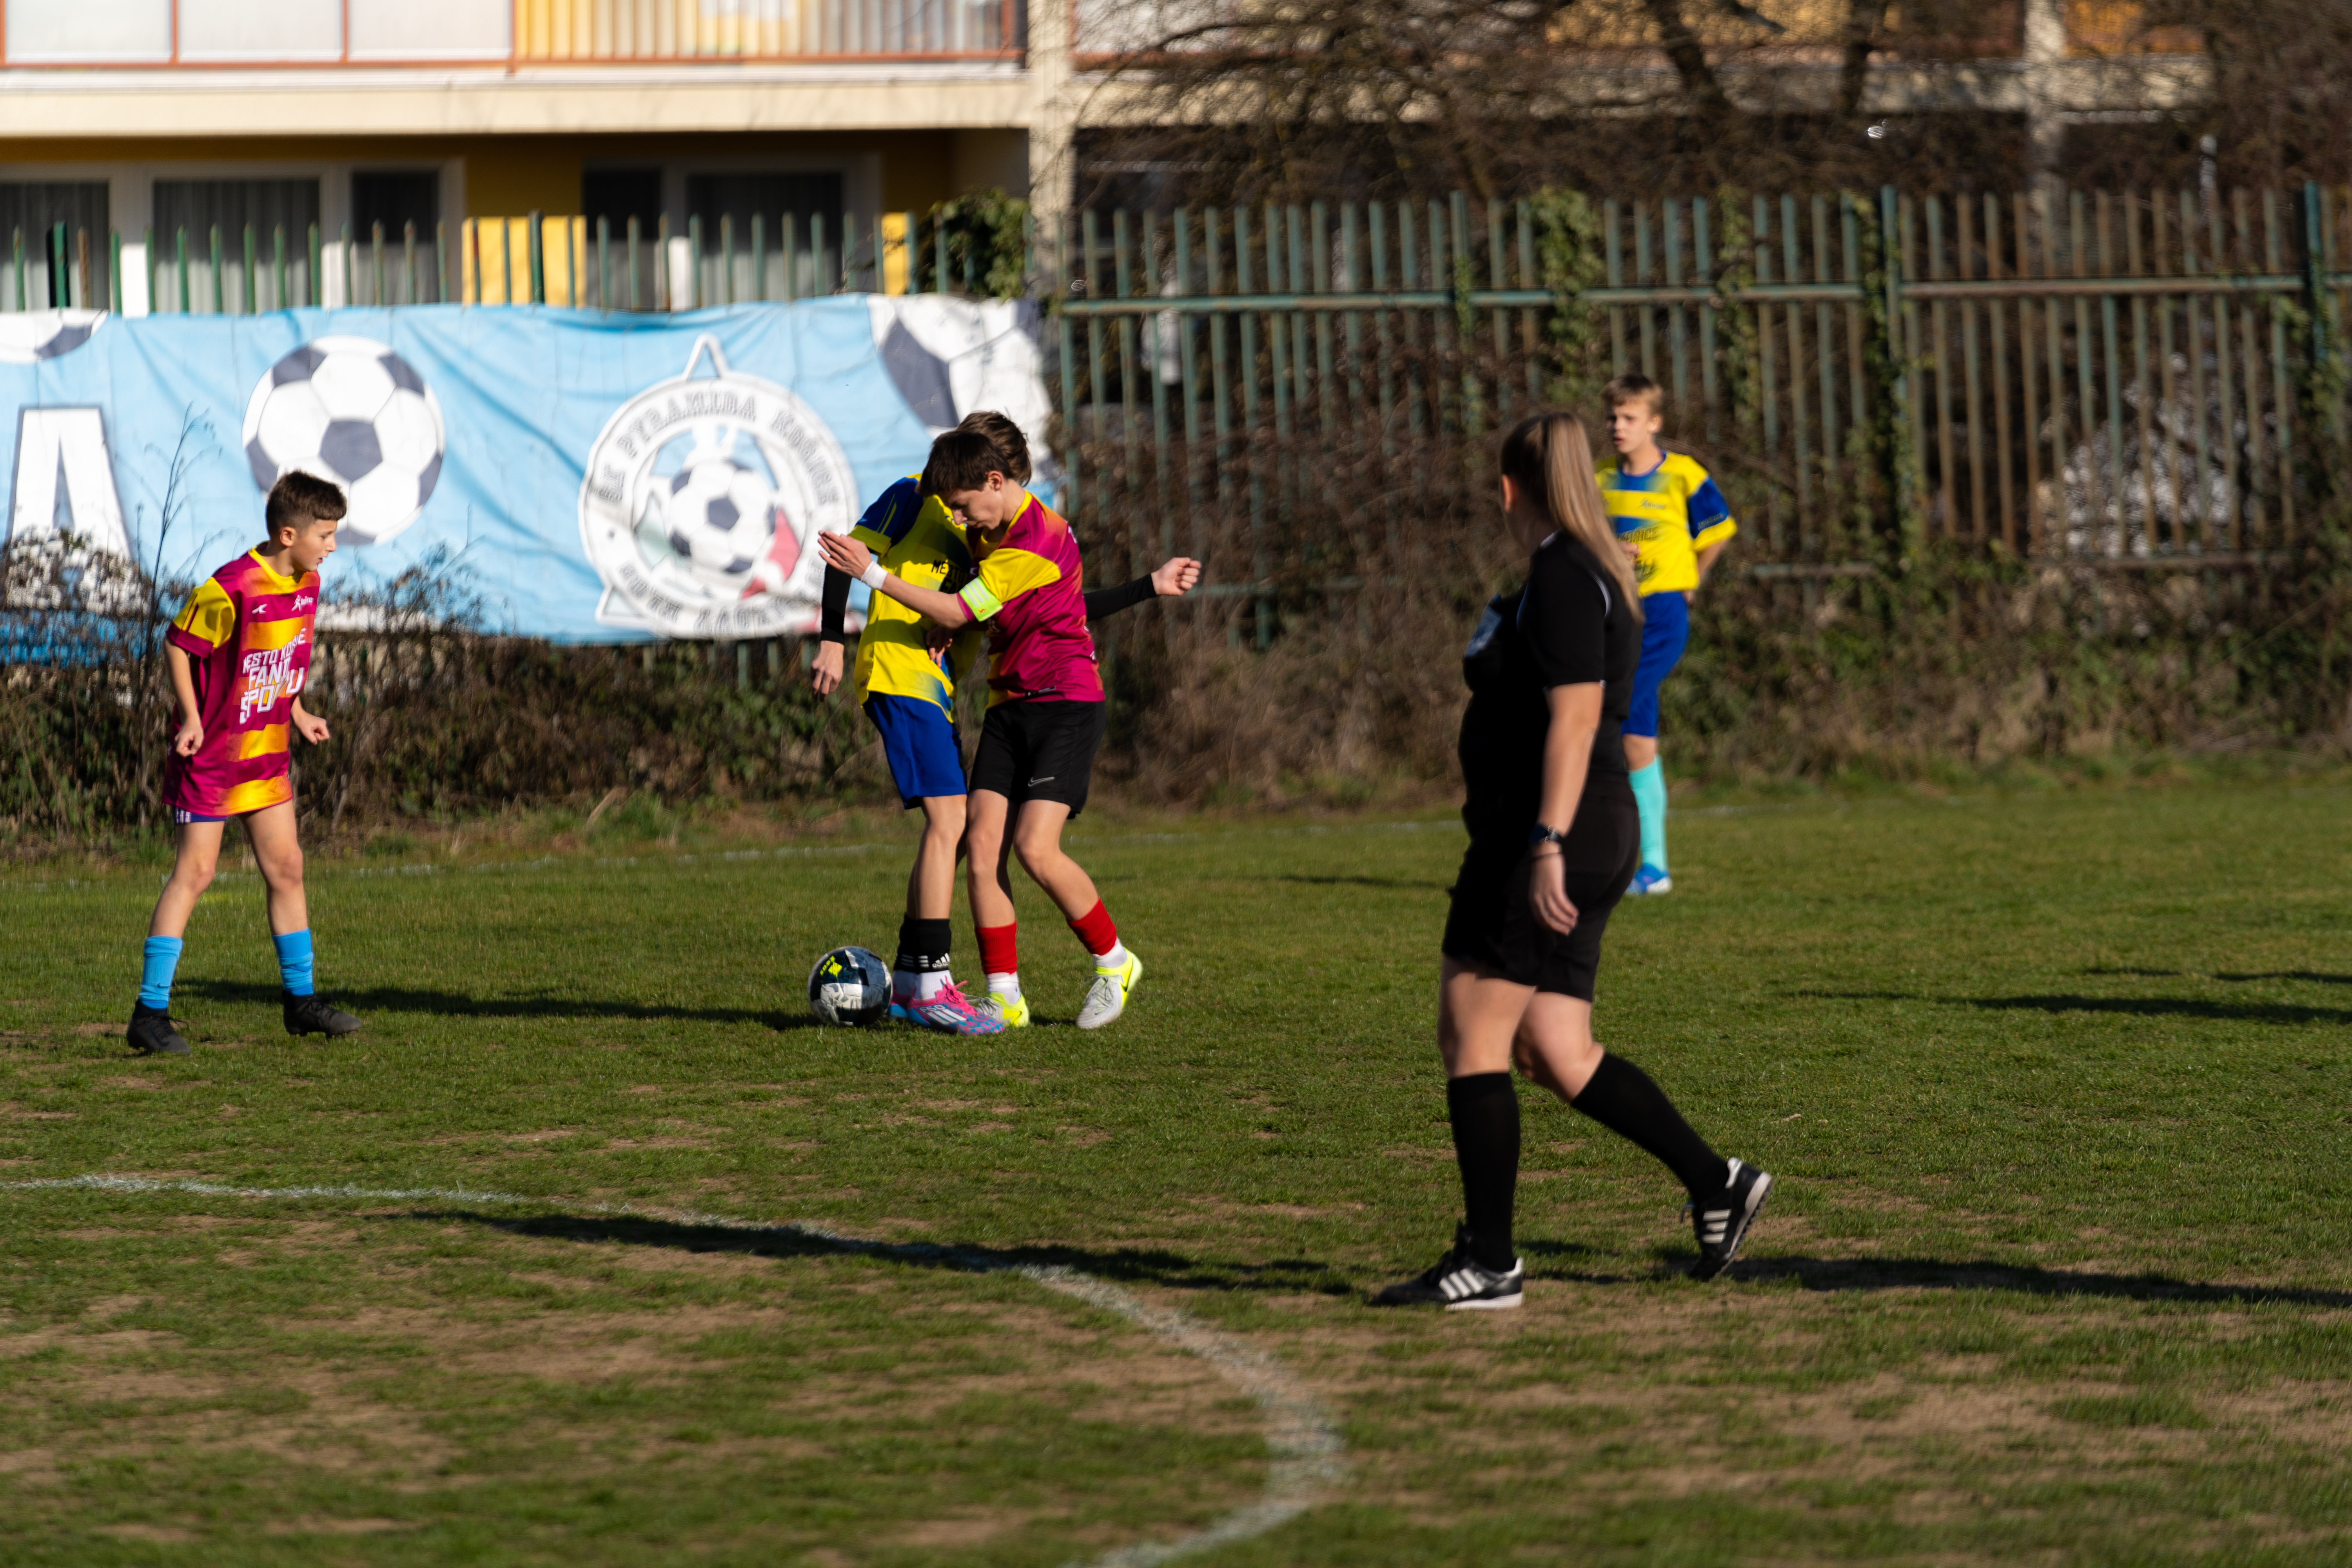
<point x="240" y="653"/>
<point x="1046" y="707"/>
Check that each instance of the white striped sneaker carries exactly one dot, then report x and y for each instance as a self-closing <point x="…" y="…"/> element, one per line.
<point x="1722" y="1222"/>
<point x="1458" y="1283"/>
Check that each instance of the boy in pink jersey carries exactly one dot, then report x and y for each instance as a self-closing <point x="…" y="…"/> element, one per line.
<point x="240" y="654"/>
<point x="1044" y="716"/>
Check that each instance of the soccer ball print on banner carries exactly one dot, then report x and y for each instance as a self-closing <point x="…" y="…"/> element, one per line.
<point x="350" y="410"/>
<point x="700" y="499"/>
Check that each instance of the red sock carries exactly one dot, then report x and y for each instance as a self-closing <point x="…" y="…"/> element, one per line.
<point x="1093" y="929"/>
<point x="1000" y="948"/>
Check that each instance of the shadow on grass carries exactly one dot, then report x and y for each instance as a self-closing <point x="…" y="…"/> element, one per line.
<point x="451" y="1004"/>
<point x="1130" y="1266"/>
<point x="1843" y="1274"/>
<point x="2316" y="976"/>
<point x="2311" y="975"/>
<point x="2134" y="1006"/>
<point x="2166" y="1007"/>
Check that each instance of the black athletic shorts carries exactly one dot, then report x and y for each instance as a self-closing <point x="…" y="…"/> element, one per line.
<point x="1493" y="925"/>
<point x="1039" y="749"/>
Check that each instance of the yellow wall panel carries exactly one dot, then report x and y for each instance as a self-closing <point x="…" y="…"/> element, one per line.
<point x="894" y="253"/>
<point x="491" y="259"/>
<point x="518" y="259"/>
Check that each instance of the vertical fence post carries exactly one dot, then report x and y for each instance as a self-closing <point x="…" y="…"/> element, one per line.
<point x="1902" y="487"/>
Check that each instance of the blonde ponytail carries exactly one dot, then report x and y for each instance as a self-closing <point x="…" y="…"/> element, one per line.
<point x="1549" y="456"/>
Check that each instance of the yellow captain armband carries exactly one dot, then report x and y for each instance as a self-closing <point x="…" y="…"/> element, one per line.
<point x="982" y="604"/>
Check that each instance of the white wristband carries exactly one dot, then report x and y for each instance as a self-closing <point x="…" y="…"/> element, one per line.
<point x="874" y="576"/>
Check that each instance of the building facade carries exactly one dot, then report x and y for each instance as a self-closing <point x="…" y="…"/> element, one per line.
<point x="148" y="119"/>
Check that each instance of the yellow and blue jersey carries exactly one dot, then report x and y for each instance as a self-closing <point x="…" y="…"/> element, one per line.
<point x="916" y="539"/>
<point x="1670" y="513"/>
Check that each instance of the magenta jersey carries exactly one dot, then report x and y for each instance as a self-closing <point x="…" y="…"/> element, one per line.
<point x="247" y="635"/>
<point x="1031" y="590"/>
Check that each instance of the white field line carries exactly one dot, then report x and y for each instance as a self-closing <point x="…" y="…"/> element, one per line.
<point x="1305" y="1457"/>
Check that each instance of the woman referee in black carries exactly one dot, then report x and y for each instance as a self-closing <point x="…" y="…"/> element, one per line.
<point x="1554" y="839"/>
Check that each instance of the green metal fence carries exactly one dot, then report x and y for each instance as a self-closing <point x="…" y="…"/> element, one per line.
<point x="2128" y="379"/>
<point x="2114" y="378"/>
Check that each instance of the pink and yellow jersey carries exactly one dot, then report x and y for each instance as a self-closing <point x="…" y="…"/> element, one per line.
<point x="1031" y="590"/>
<point x="247" y="633"/>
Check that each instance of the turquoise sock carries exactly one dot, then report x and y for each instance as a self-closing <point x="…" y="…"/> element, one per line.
<point x="162" y="962"/>
<point x="294" y="961"/>
<point x="1650" y="794"/>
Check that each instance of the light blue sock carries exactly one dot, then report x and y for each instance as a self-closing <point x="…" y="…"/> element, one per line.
<point x="1650" y="794"/>
<point x="294" y="961"/>
<point x="162" y="962"/>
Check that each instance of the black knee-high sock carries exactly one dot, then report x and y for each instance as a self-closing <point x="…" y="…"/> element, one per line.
<point x="1485" y="1111"/>
<point x="1622" y="1097"/>
<point x="923" y="945"/>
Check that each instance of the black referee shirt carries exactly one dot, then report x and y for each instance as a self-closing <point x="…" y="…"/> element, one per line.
<point x="1567" y="627"/>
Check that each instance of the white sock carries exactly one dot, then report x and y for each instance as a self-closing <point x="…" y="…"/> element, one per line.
<point x="929" y="983"/>
<point x="1115" y="959"/>
<point x="1005" y="984"/>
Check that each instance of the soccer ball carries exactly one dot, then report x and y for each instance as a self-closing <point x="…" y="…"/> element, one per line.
<point x="849" y="986"/>
<point x="350" y="410"/>
<point x="721" y="517"/>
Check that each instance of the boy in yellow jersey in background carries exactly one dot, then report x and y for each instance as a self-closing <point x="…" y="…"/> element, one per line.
<point x="1674" y="522"/>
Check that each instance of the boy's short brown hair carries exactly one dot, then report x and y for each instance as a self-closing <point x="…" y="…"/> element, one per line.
<point x="1630" y="386"/>
<point x="299" y="498"/>
<point x="1006" y="438"/>
<point x="961" y="460"/>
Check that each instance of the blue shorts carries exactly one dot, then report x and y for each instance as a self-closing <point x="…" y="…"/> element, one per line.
<point x="1665" y="631"/>
<point x="920" y="741"/>
<point x="186" y="818"/>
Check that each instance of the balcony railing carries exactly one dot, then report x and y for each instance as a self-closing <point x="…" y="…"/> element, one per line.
<point x="314" y="33"/>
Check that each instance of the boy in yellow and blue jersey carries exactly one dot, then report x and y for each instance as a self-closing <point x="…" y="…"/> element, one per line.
<point x="1674" y="522"/>
<point x="904" y="677"/>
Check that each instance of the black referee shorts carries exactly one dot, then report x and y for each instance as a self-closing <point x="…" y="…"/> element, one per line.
<point x="1492" y="924"/>
<point x="1039" y="749"/>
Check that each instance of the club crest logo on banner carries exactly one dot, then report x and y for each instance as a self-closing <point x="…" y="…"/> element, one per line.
<point x="700" y="499"/>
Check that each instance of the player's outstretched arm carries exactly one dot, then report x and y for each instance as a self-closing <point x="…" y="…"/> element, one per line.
<point x="824" y="674"/>
<point x="1178" y="576"/>
<point x="850" y="555"/>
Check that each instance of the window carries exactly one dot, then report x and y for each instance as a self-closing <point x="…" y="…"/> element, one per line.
<point x="29" y="213"/>
<point x="771" y="196"/>
<point x="620" y="194"/>
<point x="395" y="198"/>
<point x="191" y="211"/>
<point x="197" y="205"/>
<point x="90" y="32"/>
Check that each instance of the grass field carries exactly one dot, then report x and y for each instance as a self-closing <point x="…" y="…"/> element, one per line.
<point x="2056" y="1087"/>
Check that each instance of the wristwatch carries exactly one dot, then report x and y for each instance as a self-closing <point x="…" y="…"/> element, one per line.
<point x="1538" y="836"/>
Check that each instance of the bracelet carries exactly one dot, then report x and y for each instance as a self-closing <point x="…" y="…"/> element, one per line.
<point x="874" y="576"/>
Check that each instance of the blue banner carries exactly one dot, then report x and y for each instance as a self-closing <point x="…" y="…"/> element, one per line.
<point x="593" y="477"/>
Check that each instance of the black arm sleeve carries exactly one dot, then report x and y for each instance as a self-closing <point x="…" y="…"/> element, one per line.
<point x="836" y="614"/>
<point x="1126" y="597"/>
<point x="1567" y="626"/>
